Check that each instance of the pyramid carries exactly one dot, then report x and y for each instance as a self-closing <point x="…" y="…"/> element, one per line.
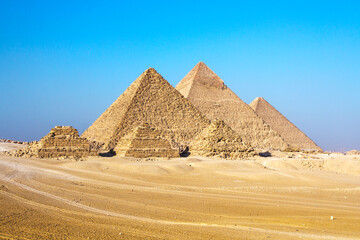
<point x="291" y="134"/>
<point x="145" y="142"/>
<point x="220" y="140"/>
<point x="62" y="141"/>
<point x="150" y="99"/>
<point x="214" y="99"/>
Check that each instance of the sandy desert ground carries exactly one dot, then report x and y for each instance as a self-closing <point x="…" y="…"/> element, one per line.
<point x="186" y="198"/>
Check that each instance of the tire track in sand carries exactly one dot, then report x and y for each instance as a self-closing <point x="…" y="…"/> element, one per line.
<point x="165" y="222"/>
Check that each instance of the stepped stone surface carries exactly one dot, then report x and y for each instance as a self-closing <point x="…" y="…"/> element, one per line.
<point x="62" y="141"/>
<point x="214" y="99"/>
<point x="153" y="100"/>
<point x="291" y="134"/>
<point x="145" y="142"/>
<point x="220" y="140"/>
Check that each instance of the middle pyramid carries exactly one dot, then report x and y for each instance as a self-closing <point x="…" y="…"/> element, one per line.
<point x="214" y="99"/>
<point x="149" y="99"/>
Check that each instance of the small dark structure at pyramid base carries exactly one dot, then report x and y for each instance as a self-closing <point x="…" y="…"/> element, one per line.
<point x="145" y="142"/>
<point x="61" y="142"/>
<point x="219" y="140"/>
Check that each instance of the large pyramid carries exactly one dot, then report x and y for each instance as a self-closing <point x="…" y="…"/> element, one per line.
<point x="214" y="99"/>
<point x="291" y="134"/>
<point x="145" y="142"/>
<point x="220" y="140"/>
<point x="150" y="99"/>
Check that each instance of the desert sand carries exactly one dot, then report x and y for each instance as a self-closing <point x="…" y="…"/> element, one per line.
<point x="286" y="196"/>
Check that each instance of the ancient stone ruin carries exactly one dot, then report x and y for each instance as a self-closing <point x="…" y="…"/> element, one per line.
<point x="145" y="142"/>
<point x="290" y="133"/>
<point x="181" y="120"/>
<point x="61" y="142"/>
<point x="220" y="140"/>
<point x="214" y="99"/>
<point x="150" y="99"/>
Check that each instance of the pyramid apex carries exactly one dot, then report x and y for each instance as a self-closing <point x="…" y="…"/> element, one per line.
<point x="202" y="66"/>
<point x="258" y="99"/>
<point x="202" y="75"/>
<point x="150" y="70"/>
<point x="254" y="104"/>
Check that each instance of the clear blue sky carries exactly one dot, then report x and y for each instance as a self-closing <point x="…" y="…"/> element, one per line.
<point x="64" y="63"/>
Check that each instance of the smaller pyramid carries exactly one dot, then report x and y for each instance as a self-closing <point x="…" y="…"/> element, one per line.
<point x="145" y="142"/>
<point x="61" y="142"/>
<point x="288" y="131"/>
<point x="218" y="139"/>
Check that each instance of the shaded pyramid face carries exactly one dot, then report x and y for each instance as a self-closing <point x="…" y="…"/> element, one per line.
<point x="150" y="99"/>
<point x="145" y="142"/>
<point x="220" y="140"/>
<point x="291" y="134"/>
<point x="215" y="100"/>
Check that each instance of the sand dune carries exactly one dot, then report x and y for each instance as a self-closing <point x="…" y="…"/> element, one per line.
<point x="185" y="198"/>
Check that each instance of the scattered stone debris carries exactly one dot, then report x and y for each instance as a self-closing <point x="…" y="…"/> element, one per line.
<point x="145" y="142"/>
<point x="292" y="149"/>
<point x="220" y="140"/>
<point x="61" y="142"/>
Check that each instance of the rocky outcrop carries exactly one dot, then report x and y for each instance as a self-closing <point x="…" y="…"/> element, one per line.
<point x="145" y="142"/>
<point x="220" y="140"/>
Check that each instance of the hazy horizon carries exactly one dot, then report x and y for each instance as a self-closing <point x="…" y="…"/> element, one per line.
<point x="64" y="64"/>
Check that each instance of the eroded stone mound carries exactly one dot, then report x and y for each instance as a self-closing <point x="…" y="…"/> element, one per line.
<point x="214" y="99"/>
<point x="61" y="142"/>
<point x="145" y="142"/>
<point x="220" y="140"/>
